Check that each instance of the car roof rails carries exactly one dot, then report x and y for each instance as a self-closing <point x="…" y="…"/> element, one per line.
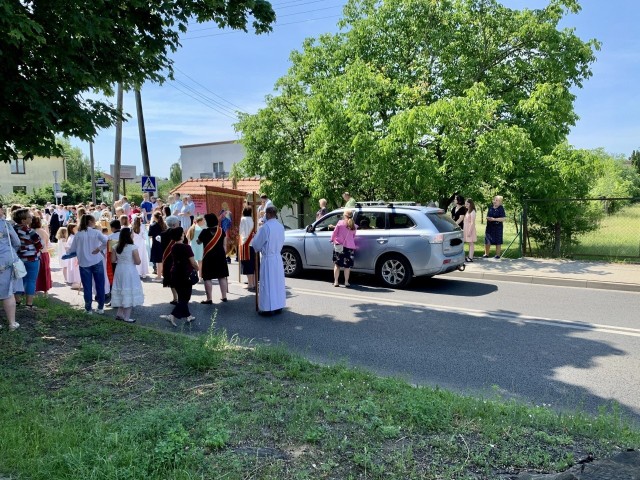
<point x="375" y="203"/>
<point x="401" y="204"/>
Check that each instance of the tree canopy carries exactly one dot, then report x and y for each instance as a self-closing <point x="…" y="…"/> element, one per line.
<point x="175" y="173"/>
<point x="54" y="54"/>
<point x="415" y="99"/>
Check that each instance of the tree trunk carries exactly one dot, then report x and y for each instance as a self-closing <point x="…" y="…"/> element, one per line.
<point x="556" y="244"/>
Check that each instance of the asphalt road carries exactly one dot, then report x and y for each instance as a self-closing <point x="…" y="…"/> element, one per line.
<point x="560" y="346"/>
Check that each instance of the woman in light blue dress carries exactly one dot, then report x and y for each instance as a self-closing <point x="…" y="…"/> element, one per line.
<point x="192" y="235"/>
<point x="9" y="242"/>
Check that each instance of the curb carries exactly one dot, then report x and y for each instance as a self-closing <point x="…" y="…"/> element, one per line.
<point x="554" y="281"/>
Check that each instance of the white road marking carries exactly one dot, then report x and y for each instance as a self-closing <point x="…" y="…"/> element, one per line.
<point x="512" y="318"/>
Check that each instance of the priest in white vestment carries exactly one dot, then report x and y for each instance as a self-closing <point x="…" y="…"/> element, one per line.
<point x="268" y="242"/>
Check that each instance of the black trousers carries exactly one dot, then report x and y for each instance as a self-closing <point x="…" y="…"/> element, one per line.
<point x="181" y="310"/>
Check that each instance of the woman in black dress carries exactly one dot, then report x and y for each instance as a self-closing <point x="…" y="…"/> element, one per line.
<point x="214" y="258"/>
<point x="458" y="211"/>
<point x="495" y="225"/>
<point x="182" y="264"/>
<point x="155" y="229"/>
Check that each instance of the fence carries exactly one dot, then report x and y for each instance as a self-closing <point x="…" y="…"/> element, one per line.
<point x="604" y="228"/>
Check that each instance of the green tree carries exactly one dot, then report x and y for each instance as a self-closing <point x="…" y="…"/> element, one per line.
<point x="54" y="54"/>
<point x="569" y="174"/>
<point x="418" y="99"/>
<point x="78" y="165"/>
<point x="635" y="160"/>
<point x="175" y="174"/>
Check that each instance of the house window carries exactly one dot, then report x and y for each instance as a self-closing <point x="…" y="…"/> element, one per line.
<point x="218" y="170"/>
<point x="20" y="189"/>
<point x="17" y="166"/>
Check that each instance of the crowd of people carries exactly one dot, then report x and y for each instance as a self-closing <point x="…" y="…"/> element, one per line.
<point x="107" y="253"/>
<point x="464" y="214"/>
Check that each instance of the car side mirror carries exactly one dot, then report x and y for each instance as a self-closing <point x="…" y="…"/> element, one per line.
<point x="310" y="228"/>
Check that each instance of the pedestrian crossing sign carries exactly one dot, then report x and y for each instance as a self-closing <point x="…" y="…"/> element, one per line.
<point x="148" y="184"/>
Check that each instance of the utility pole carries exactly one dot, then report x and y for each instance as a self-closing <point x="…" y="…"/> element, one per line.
<point x="93" y="173"/>
<point x="118" y="155"/>
<point x="143" y="136"/>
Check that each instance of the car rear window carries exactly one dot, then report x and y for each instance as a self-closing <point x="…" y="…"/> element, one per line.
<point x="443" y="222"/>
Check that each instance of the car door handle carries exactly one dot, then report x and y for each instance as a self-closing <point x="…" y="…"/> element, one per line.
<point x="381" y="240"/>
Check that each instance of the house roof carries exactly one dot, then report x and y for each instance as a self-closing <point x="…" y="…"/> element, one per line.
<point x="197" y="186"/>
<point x="225" y="142"/>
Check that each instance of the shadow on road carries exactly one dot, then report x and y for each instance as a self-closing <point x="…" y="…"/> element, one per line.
<point x="440" y="284"/>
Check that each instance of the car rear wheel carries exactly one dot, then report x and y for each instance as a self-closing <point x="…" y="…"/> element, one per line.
<point x="291" y="262"/>
<point x="394" y="271"/>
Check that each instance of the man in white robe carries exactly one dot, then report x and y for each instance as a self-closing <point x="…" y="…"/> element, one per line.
<point x="268" y="242"/>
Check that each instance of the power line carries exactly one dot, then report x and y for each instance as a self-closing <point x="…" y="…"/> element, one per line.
<point x="200" y="101"/>
<point x="213" y="93"/>
<point x="311" y="11"/>
<point x="213" y="102"/>
<point x="279" y="25"/>
<point x="279" y="16"/>
<point x="305" y="3"/>
<point x="288" y="4"/>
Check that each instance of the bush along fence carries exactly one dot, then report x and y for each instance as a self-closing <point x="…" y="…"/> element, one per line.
<point x="602" y="228"/>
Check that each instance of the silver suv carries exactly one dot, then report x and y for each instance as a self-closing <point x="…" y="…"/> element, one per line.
<point x="394" y="242"/>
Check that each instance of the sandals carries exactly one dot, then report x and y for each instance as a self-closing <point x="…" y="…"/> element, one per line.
<point x="468" y="259"/>
<point x="223" y="299"/>
<point x="173" y="302"/>
<point x="31" y="307"/>
<point x="336" y="284"/>
<point x="206" y="302"/>
<point x="170" y="318"/>
<point x="14" y="327"/>
<point x="190" y="319"/>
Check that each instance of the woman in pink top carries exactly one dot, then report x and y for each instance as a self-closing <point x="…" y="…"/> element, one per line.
<point x="469" y="230"/>
<point x="344" y="245"/>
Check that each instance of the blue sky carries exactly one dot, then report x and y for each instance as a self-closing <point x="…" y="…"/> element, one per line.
<point x="235" y="70"/>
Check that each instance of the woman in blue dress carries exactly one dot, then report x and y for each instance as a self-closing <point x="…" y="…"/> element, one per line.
<point x="9" y="242"/>
<point x="495" y="225"/>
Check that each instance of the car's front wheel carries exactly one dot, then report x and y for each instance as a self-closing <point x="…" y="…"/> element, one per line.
<point x="394" y="271"/>
<point x="291" y="262"/>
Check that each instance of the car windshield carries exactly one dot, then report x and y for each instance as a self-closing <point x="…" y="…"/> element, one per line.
<point x="443" y="222"/>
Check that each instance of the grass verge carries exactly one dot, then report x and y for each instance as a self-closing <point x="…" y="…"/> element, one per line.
<point x="86" y="397"/>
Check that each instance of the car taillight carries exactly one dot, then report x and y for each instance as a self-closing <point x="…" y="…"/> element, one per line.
<point x="437" y="238"/>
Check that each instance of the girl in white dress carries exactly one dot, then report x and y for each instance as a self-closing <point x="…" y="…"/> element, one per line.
<point x="141" y="244"/>
<point x="62" y="235"/>
<point x="192" y="235"/>
<point x="73" y="269"/>
<point x="126" y="291"/>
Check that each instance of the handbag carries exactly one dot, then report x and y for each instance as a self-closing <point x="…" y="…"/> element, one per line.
<point x="193" y="277"/>
<point x="19" y="270"/>
<point x="338" y="248"/>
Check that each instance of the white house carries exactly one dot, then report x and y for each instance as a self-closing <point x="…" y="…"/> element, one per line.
<point x="210" y="160"/>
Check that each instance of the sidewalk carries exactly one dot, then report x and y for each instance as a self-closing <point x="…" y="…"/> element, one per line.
<point x="565" y="273"/>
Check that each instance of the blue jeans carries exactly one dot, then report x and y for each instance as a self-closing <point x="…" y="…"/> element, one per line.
<point x="29" y="280"/>
<point x="88" y="275"/>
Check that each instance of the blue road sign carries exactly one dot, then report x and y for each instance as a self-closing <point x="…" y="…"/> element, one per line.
<point x="148" y="184"/>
